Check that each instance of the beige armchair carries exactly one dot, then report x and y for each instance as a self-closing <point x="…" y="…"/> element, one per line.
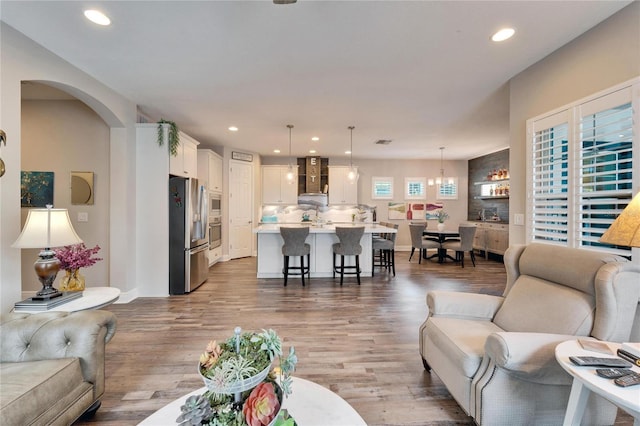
<point x="495" y="354"/>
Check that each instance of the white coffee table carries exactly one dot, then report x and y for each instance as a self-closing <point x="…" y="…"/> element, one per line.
<point x="585" y="381"/>
<point x="310" y="405"/>
<point x="92" y="298"/>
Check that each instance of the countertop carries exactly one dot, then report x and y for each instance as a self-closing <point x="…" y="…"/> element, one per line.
<point x="327" y="228"/>
<point x="495" y="222"/>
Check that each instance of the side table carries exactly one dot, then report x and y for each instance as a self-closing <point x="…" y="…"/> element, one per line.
<point x="92" y="298"/>
<point x="585" y="381"/>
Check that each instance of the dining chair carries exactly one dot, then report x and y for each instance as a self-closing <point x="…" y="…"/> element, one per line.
<point x="349" y="245"/>
<point x="417" y="242"/>
<point x="467" y="233"/>
<point x="294" y="245"/>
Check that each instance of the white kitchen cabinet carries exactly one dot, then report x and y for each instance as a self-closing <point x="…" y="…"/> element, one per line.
<point x="185" y="163"/>
<point x="210" y="169"/>
<point x="341" y="189"/>
<point x="276" y="189"/>
<point x="215" y="255"/>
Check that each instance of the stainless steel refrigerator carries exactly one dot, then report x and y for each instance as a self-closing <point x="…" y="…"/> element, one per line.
<point x="188" y="245"/>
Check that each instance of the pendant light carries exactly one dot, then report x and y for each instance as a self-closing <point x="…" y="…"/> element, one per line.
<point x="441" y="179"/>
<point x="290" y="174"/>
<point x="353" y="171"/>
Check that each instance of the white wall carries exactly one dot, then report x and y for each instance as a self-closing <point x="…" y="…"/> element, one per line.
<point x="21" y="60"/>
<point x="602" y="57"/>
<point x="61" y="136"/>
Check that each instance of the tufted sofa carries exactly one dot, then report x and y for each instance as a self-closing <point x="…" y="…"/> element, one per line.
<point x="495" y="354"/>
<point x="52" y="365"/>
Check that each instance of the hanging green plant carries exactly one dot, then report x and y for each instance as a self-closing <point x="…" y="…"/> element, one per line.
<point x="174" y="137"/>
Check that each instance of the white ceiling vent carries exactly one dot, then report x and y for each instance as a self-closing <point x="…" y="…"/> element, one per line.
<point x="383" y="142"/>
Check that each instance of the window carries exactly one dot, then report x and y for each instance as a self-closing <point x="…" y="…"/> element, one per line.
<point x="447" y="190"/>
<point x="415" y="188"/>
<point x="580" y="170"/>
<point x="381" y="188"/>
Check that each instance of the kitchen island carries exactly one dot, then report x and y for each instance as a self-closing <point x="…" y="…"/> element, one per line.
<point x="321" y="240"/>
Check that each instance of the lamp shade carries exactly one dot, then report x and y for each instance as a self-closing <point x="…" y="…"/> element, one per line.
<point x="46" y="228"/>
<point x="625" y="230"/>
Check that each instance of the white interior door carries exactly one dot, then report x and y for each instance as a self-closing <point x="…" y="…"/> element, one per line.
<point x="240" y="209"/>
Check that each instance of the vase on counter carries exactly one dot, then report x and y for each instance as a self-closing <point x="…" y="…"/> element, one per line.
<point x="440" y="226"/>
<point x="72" y="281"/>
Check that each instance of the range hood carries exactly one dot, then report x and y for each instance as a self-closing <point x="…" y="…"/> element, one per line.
<point x="313" y="198"/>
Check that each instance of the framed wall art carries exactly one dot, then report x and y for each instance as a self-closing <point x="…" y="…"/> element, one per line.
<point x="36" y="189"/>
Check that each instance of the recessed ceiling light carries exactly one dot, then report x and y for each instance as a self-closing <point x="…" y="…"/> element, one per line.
<point x="347" y="152"/>
<point x="312" y="151"/>
<point x="503" y="34"/>
<point x="97" y="17"/>
<point x="233" y="128"/>
<point x="315" y="139"/>
<point x="277" y="151"/>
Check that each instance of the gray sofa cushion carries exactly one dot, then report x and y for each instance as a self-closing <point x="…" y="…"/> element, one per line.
<point x="536" y="305"/>
<point x="462" y="340"/>
<point x="37" y="392"/>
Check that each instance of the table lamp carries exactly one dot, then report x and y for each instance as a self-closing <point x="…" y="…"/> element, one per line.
<point x="625" y="230"/>
<point x="47" y="228"/>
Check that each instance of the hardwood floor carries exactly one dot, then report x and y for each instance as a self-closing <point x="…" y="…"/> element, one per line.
<point x="359" y="341"/>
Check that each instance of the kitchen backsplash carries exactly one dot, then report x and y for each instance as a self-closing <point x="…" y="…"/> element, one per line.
<point x="300" y="212"/>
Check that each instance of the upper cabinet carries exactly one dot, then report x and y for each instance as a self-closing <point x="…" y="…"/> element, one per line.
<point x="341" y="189"/>
<point x="185" y="163"/>
<point x="210" y="169"/>
<point x="276" y="189"/>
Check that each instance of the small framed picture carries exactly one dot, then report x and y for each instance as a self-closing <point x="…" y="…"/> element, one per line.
<point x="242" y="156"/>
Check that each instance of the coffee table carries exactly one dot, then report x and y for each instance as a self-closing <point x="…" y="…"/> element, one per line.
<point x="310" y="404"/>
<point x="585" y="381"/>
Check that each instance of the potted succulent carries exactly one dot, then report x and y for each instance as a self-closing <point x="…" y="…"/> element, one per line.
<point x="244" y="387"/>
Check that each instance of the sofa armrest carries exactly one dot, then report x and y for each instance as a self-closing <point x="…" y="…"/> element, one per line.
<point x="54" y="335"/>
<point x="528" y="356"/>
<point x="463" y="305"/>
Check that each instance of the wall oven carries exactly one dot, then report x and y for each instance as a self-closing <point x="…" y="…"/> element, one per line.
<point x="215" y="232"/>
<point x="215" y="205"/>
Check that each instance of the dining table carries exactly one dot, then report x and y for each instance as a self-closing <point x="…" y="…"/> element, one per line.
<point x="441" y="237"/>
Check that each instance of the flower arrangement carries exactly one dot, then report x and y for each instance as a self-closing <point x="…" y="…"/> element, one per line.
<point x="76" y="256"/>
<point x="442" y="216"/>
<point x="242" y="386"/>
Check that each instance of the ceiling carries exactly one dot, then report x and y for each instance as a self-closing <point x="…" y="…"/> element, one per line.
<point x="424" y="74"/>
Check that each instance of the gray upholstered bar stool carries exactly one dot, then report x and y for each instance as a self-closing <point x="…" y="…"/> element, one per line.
<point x="386" y="247"/>
<point x="349" y="245"/>
<point x="467" y="233"/>
<point x="294" y="245"/>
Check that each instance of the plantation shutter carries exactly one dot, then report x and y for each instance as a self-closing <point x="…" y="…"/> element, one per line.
<point x="580" y="169"/>
<point x="604" y="166"/>
<point x="549" y="195"/>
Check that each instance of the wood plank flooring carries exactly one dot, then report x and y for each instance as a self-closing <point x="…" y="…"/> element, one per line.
<point x="359" y="341"/>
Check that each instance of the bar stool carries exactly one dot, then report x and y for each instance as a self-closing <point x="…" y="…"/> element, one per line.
<point x="378" y="255"/>
<point x="349" y="245"/>
<point x="294" y="245"/>
<point x="386" y="247"/>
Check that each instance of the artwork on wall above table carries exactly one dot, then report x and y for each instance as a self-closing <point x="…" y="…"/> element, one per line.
<point x="36" y="189"/>
<point x="397" y="211"/>
<point x="432" y="210"/>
